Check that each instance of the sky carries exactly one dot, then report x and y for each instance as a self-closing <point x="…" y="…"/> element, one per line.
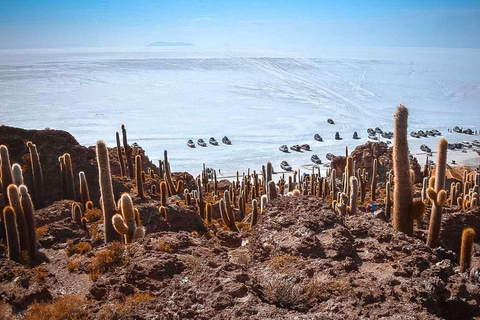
<point x="240" y="24"/>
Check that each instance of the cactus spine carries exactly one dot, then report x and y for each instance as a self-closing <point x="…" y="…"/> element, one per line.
<point x="106" y="191"/>
<point x="468" y="236"/>
<point x="38" y="188"/>
<point x="402" y="193"/>
<point x="437" y="206"/>
<point x="84" y="192"/>
<point x="120" y="155"/>
<point x="6" y="168"/>
<point x="138" y="176"/>
<point x="125" y="223"/>
<point x="28" y="212"/>
<point x="12" y="234"/>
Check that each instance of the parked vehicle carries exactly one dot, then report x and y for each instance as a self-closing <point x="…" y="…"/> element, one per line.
<point x="201" y="143"/>
<point x="283" y="148"/>
<point x="330" y="156"/>
<point x="466" y="144"/>
<point x="190" y="143"/>
<point x="318" y="137"/>
<point x="372" y="136"/>
<point x="315" y="159"/>
<point x="414" y="134"/>
<point x="425" y="148"/>
<point x="337" y="136"/>
<point x="421" y="133"/>
<point x="225" y="140"/>
<point x="212" y="141"/>
<point x="296" y="148"/>
<point x="330" y="121"/>
<point x="378" y="130"/>
<point x="355" y="135"/>
<point x="305" y="147"/>
<point x="285" y="166"/>
<point x="370" y="131"/>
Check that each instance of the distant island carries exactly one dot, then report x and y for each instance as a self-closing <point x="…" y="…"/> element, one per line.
<point x="169" y="44"/>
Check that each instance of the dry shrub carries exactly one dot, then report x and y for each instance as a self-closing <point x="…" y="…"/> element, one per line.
<point x="94" y="233"/>
<point x="40" y="273"/>
<point x="79" y="248"/>
<point x="283" y="262"/>
<point x="63" y="308"/>
<point x="106" y="258"/>
<point x="317" y="290"/>
<point x="120" y="309"/>
<point x="40" y="231"/>
<point x="93" y="215"/>
<point x="163" y="246"/>
<point x="5" y="311"/>
<point x="72" y="265"/>
<point x="242" y="226"/>
<point x="287" y="292"/>
<point x="284" y="292"/>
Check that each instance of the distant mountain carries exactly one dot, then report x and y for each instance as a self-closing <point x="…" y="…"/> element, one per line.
<point x="169" y="44"/>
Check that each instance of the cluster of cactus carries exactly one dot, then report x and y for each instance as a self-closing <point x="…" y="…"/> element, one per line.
<point x="469" y="198"/>
<point x="66" y="173"/>
<point x="127" y="221"/>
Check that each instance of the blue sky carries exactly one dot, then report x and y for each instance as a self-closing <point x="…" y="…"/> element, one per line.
<point x="239" y="24"/>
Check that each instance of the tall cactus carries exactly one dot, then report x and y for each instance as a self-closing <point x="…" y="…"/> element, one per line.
<point x="128" y="152"/>
<point x="226" y="212"/>
<point x="168" y="175"/>
<point x="269" y="172"/>
<point x="38" y="186"/>
<point x="29" y="213"/>
<point x="272" y="190"/>
<point x="388" y="201"/>
<point x="106" y="190"/>
<point x="15" y="203"/>
<point x="17" y="174"/>
<point x="349" y="172"/>
<point x="12" y="234"/>
<point x="254" y="218"/>
<point x="120" y="155"/>
<point x="468" y="236"/>
<point x="437" y="206"/>
<point x="138" y="176"/>
<point x="84" y="192"/>
<point x="70" y="186"/>
<point x="5" y="169"/>
<point x="353" y="194"/>
<point x="125" y="223"/>
<point x="402" y="193"/>
<point x="375" y="176"/>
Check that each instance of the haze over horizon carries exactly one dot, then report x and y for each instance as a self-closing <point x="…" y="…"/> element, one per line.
<point x="239" y="24"/>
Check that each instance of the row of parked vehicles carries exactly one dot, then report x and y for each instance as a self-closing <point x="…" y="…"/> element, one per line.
<point x="457" y="129"/>
<point x="454" y="146"/>
<point x="373" y="134"/>
<point x="314" y="158"/>
<point x="211" y="141"/>
<point x="425" y="134"/>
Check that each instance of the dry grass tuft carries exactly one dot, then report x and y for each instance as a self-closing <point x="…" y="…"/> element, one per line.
<point x="105" y="259"/>
<point x="40" y="273"/>
<point x="5" y="311"/>
<point x="122" y="308"/>
<point x="40" y="231"/>
<point x="163" y="246"/>
<point x="72" y="266"/>
<point x="94" y="233"/>
<point x="63" y="308"/>
<point x="280" y="263"/>
<point x="93" y="215"/>
<point x="79" y="248"/>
